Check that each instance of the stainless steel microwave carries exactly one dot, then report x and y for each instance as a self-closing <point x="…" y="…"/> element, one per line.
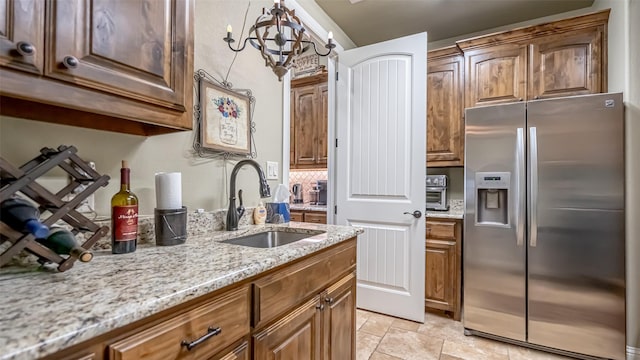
<point x="436" y="192"/>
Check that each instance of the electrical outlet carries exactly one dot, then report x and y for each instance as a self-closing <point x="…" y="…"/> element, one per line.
<point x="272" y="170"/>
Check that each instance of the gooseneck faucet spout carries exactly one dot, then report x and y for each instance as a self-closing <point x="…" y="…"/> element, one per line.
<point x="233" y="214"/>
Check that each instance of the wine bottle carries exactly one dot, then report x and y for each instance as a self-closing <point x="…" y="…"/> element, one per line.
<point x="20" y="215"/>
<point x="124" y="216"/>
<point x="63" y="242"/>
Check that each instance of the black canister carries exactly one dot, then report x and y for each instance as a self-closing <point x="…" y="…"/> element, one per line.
<point x="170" y="226"/>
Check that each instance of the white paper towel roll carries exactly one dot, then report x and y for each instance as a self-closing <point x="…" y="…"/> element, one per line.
<point x="169" y="190"/>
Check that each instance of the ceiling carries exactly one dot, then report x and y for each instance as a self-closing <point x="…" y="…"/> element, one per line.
<point x="370" y="21"/>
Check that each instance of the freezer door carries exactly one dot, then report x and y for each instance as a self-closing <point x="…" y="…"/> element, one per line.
<point x="576" y="241"/>
<point x="494" y="249"/>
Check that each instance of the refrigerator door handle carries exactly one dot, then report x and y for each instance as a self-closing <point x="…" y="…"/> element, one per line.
<point x="533" y="201"/>
<point x="520" y="187"/>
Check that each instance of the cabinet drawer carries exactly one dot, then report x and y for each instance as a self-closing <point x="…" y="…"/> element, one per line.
<point x="280" y="291"/>
<point x="441" y="229"/>
<point x="297" y="216"/>
<point x="315" y="217"/>
<point x="229" y="312"/>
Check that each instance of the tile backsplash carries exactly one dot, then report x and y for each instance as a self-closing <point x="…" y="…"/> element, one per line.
<point x="308" y="179"/>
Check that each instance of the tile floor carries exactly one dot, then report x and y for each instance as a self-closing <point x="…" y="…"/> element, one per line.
<point x="381" y="337"/>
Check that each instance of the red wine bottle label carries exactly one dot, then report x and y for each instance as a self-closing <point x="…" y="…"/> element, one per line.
<point x="125" y="222"/>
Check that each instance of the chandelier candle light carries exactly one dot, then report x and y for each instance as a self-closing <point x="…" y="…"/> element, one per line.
<point x="287" y="42"/>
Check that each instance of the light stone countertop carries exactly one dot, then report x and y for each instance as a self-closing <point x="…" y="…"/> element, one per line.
<point x="43" y="311"/>
<point x="456" y="211"/>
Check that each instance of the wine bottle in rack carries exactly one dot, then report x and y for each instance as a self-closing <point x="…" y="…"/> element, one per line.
<point x="124" y="215"/>
<point x="20" y="215"/>
<point x="63" y="242"/>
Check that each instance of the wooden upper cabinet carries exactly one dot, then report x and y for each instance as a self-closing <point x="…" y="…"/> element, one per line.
<point x="126" y="48"/>
<point x="22" y="35"/>
<point x="445" y="107"/>
<point x="309" y="121"/>
<point x="123" y="66"/>
<point x="568" y="64"/>
<point x="304" y="117"/>
<point x="496" y="75"/>
<point x="560" y="58"/>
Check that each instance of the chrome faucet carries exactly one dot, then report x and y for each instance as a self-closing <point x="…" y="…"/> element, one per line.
<point x="233" y="214"/>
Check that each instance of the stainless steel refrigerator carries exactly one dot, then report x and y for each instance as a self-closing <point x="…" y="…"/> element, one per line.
<point x="544" y="240"/>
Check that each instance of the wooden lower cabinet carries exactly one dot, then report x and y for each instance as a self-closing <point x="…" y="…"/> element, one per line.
<point x="303" y="310"/>
<point x="296" y="336"/>
<point x="443" y="266"/>
<point x="316" y="217"/>
<point x="340" y="320"/>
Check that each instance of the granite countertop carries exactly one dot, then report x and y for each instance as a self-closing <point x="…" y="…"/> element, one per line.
<point x="307" y="207"/>
<point x="456" y="211"/>
<point x="43" y="311"/>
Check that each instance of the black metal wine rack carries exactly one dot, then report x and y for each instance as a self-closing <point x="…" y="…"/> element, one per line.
<point x="23" y="179"/>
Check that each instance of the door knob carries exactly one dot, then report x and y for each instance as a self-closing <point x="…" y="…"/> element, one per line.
<point x="416" y="214"/>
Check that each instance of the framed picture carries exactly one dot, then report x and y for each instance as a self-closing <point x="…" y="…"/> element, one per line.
<point x="225" y="119"/>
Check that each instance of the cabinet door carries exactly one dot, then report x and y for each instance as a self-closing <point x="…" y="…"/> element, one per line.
<point x="322" y="126"/>
<point x="445" y="122"/>
<point x="305" y="114"/>
<point x="295" y="336"/>
<point x="496" y="75"/>
<point x="136" y="49"/>
<point x="340" y="320"/>
<point x="239" y="353"/>
<point x="568" y="64"/>
<point x="439" y="274"/>
<point x="22" y="28"/>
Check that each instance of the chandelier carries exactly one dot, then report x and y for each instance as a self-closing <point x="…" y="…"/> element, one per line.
<point x="278" y="34"/>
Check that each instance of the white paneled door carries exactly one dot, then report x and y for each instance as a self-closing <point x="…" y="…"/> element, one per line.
<point x="380" y="170"/>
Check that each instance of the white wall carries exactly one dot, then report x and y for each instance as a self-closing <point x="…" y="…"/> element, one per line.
<point x="204" y="180"/>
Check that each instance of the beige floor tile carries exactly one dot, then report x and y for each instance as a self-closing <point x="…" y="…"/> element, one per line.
<point x="361" y="318"/>
<point x="377" y="324"/>
<point x="521" y="353"/>
<point x="450" y="357"/>
<point x="405" y="325"/>
<point x="409" y="345"/>
<point x="365" y="345"/>
<point x="380" y="356"/>
<point x="479" y="349"/>
<point x="443" y="328"/>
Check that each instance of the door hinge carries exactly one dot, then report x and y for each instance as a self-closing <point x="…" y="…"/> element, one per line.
<point x="335" y="210"/>
<point x="336" y="76"/>
<point x="336" y="142"/>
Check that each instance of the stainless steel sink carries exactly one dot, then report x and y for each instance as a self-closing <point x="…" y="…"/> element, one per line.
<point x="270" y="239"/>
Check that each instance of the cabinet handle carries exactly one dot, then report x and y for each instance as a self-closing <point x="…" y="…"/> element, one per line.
<point x="328" y="300"/>
<point x="25" y="49"/>
<point x="70" y="62"/>
<point x="211" y="332"/>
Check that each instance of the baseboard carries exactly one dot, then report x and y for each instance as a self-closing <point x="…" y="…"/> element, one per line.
<point x="633" y="353"/>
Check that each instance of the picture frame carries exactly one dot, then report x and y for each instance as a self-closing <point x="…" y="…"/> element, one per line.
<point x="225" y="124"/>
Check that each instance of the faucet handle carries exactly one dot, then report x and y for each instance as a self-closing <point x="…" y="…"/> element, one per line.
<point x="241" y="207"/>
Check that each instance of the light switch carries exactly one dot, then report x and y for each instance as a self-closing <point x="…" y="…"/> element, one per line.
<point x="272" y="170"/>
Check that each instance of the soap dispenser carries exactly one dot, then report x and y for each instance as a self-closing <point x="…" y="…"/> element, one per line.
<point x="259" y="214"/>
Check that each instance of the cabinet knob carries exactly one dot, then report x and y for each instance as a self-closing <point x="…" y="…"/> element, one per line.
<point x="536" y="97"/>
<point x="70" y="62"/>
<point x="328" y="300"/>
<point x="25" y="49"/>
<point x="520" y="99"/>
<point x="320" y="307"/>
